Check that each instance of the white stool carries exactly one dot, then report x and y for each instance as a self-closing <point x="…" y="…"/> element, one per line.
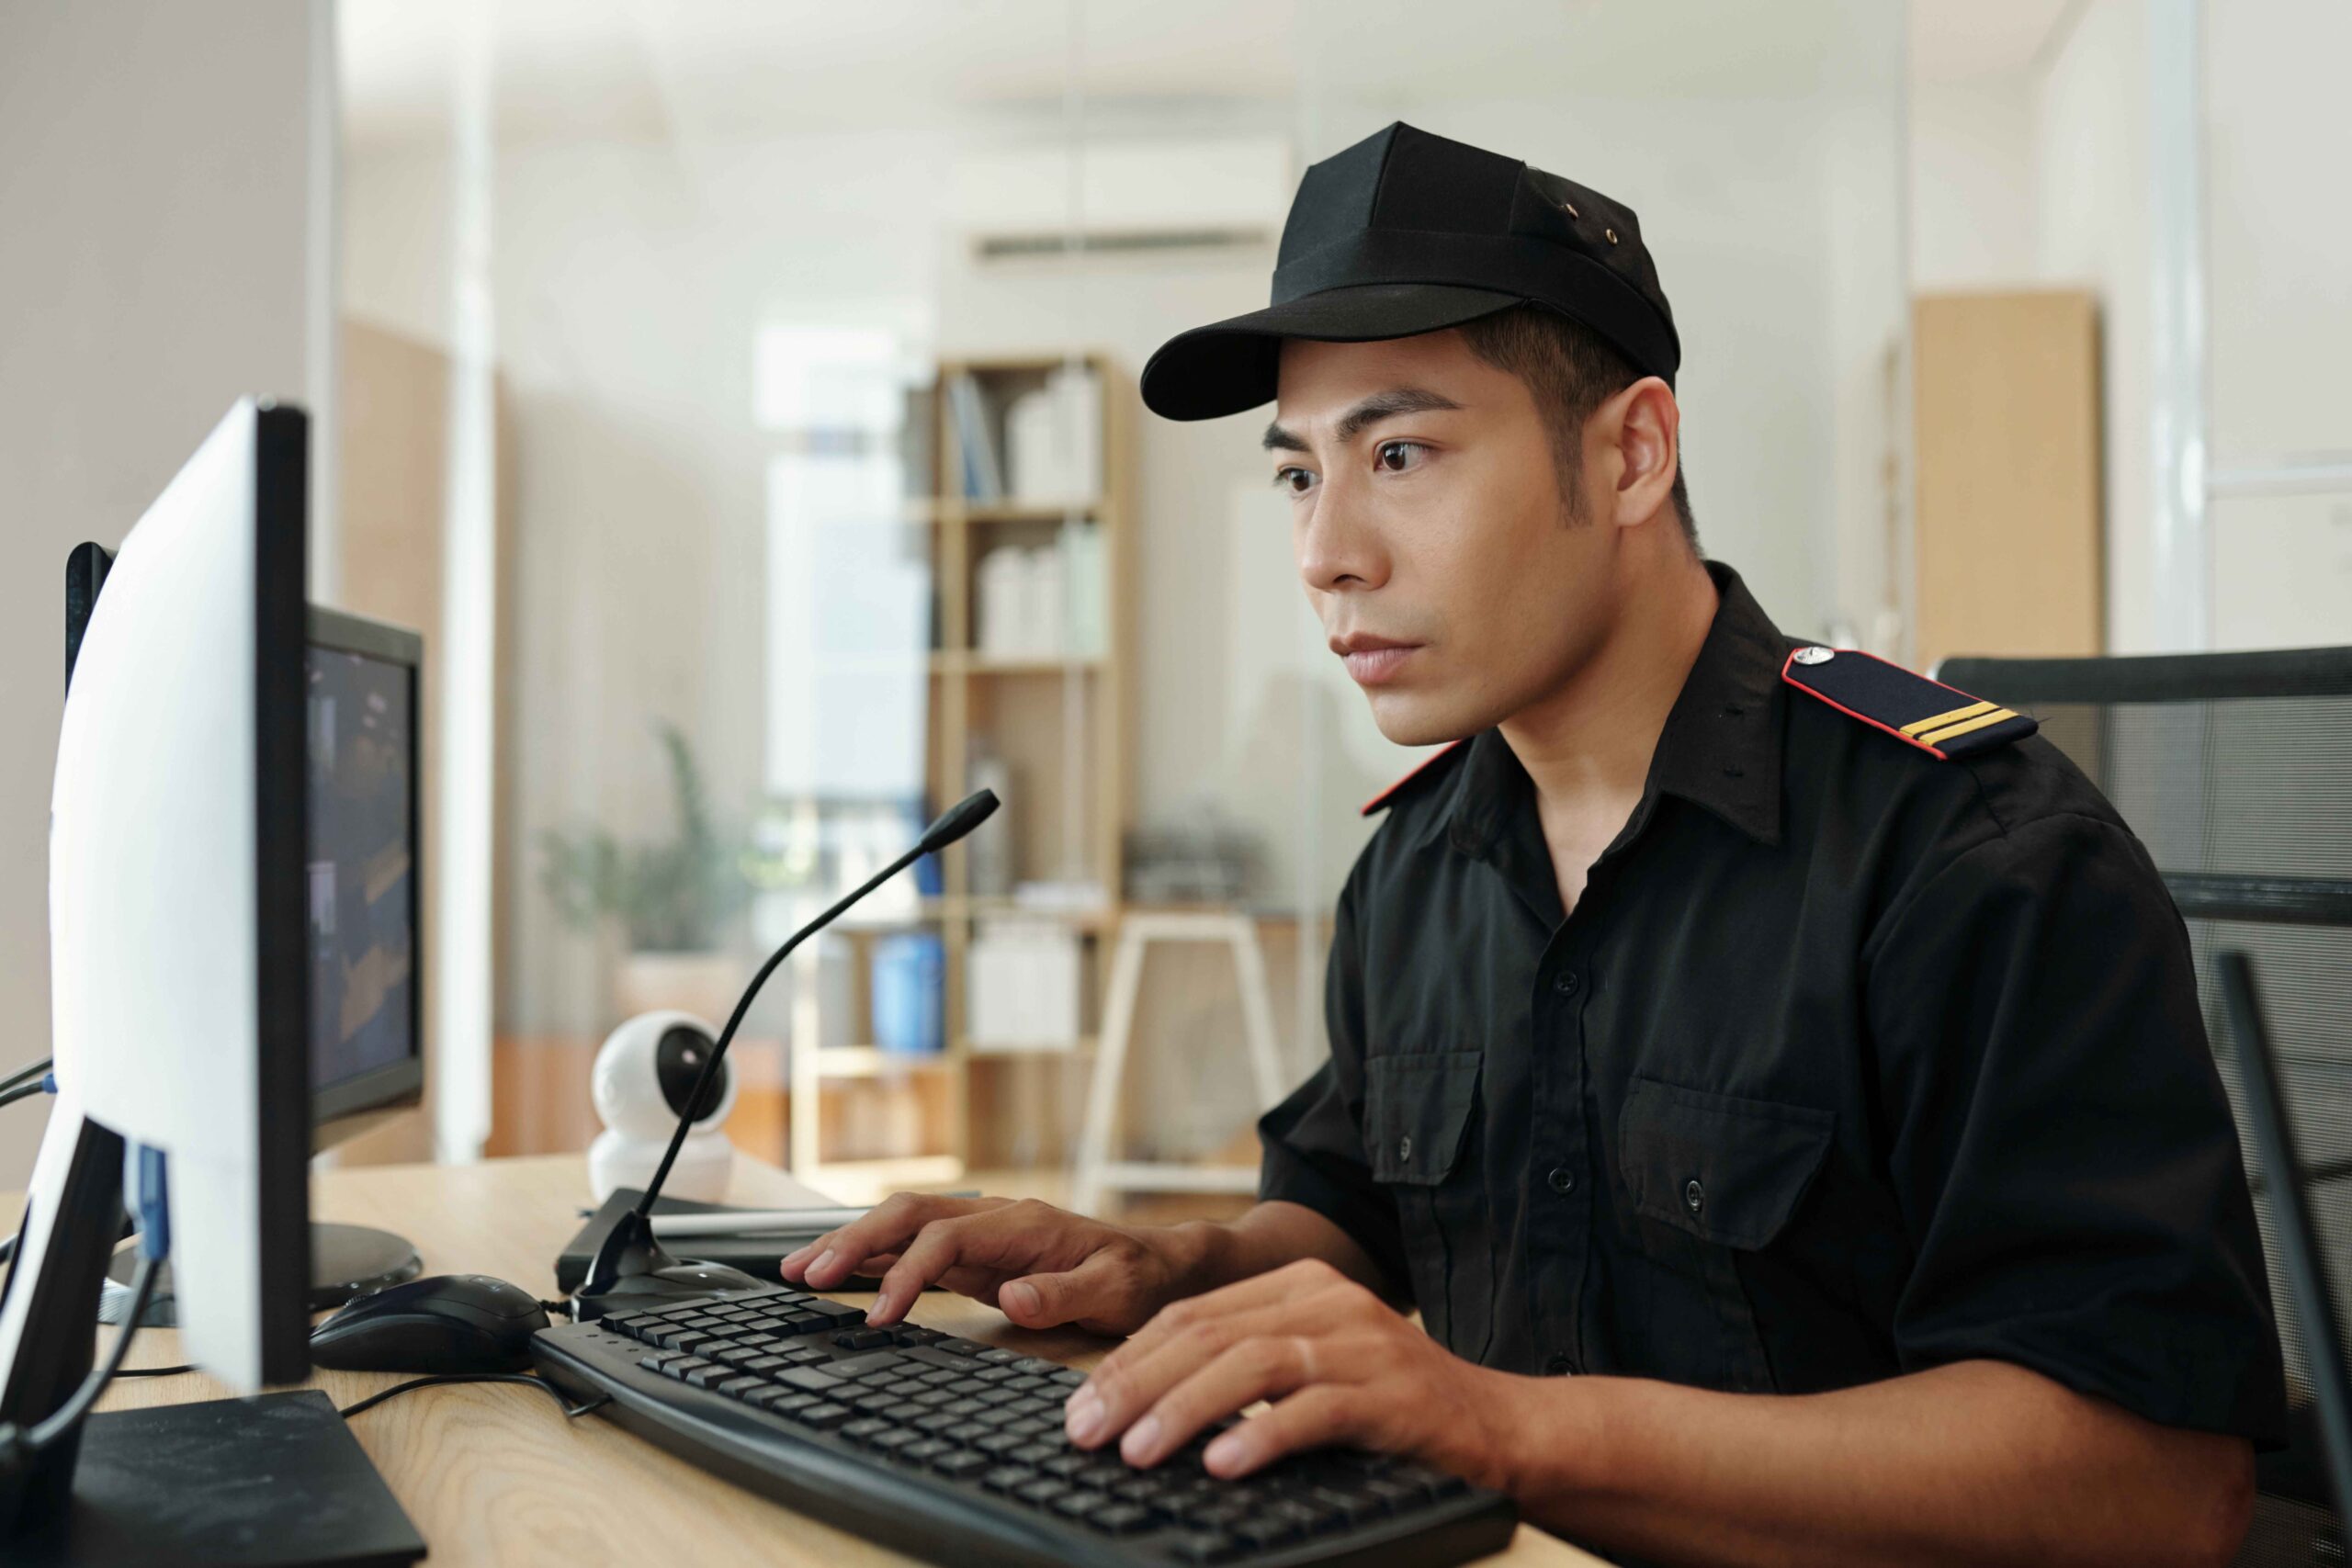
<point x="1096" y="1170"/>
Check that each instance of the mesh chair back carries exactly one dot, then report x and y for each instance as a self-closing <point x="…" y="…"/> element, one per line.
<point x="2235" y="768"/>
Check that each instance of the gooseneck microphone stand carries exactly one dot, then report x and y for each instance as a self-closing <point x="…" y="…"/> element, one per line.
<point x="632" y="1268"/>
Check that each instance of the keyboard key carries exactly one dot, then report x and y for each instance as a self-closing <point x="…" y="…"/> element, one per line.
<point x="964" y="1347"/>
<point x="958" y="1464"/>
<point x="1038" y="1454"/>
<point x="1042" y="1490"/>
<point x="1079" y="1504"/>
<point x="907" y="1334"/>
<point x="1006" y="1477"/>
<point x="1002" y="1356"/>
<point x="1202" y="1546"/>
<point x="763" y="1363"/>
<point x="810" y="1379"/>
<point x="782" y="1401"/>
<point x="737" y="1387"/>
<point x="833" y="1309"/>
<point x="866" y="1429"/>
<point x="897" y="1441"/>
<point x="658" y="1361"/>
<point x="711" y="1375"/>
<point x="862" y="1338"/>
<point x="922" y="1450"/>
<point x="1121" y="1519"/>
<point x="823" y="1416"/>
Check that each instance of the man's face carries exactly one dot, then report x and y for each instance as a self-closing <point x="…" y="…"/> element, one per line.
<point x="1432" y="533"/>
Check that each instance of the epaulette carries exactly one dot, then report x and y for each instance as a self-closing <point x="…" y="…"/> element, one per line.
<point x="1388" y="795"/>
<point x="1940" y="720"/>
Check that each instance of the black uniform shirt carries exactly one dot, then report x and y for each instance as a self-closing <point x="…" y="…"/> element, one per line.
<point x="1849" y="1062"/>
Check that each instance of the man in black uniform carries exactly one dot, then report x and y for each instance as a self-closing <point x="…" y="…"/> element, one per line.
<point x="1799" y="1050"/>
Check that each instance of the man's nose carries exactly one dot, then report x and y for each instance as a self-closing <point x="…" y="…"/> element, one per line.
<point x="1337" y="548"/>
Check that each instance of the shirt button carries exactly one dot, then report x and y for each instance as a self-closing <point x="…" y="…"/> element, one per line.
<point x="1694" y="1197"/>
<point x="1565" y="982"/>
<point x="1559" y="1366"/>
<point x="1405" y="1151"/>
<point x="1562" y="1179"/>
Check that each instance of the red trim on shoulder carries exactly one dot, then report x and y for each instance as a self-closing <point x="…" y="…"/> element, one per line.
<point x="1377" y="801"/>
<point x="1841" y="708"/>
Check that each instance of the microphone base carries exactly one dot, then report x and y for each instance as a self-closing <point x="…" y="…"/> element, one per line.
<point x="633" y="1271"/>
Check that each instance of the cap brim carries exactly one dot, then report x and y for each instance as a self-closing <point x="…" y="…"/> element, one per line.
<point x="1230" y="366"/>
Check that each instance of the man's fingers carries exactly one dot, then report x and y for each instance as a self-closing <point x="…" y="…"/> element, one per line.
<point x="1311" y="1418"/>
<point x="1289" y="1284"/>
<point x="1101" y="1291"/>
<point x="1006" y="1238"/>
<point x="1265" y="1366"/>
<point x="833" y="1257"/>
<point x="1133" y="1379"/>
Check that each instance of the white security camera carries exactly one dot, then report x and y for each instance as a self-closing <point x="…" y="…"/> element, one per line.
<point x="644" y="1074"/>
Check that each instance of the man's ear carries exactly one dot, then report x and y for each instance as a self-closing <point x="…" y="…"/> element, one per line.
<point x="1639" y="432"/>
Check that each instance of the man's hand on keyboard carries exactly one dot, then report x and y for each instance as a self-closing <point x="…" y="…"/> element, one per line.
<point x="1039" y="1265"/>
<point x="1338" y="1365"/>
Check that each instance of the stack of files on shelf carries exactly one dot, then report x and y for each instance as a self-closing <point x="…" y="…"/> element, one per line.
<point x="1045" y="603"/>
<point x="1053" y="440"/>
<point x="1022" y="986"/>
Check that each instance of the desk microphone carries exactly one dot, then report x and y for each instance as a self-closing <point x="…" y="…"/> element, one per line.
<point x="631" y="1268"/>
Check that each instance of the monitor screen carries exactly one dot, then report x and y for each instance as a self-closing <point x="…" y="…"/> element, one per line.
<point x="362" y="747"/>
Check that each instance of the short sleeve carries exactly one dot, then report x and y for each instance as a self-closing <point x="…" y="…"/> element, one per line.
<point x="1313" y="1142"/>
<point x="2060" y="1145"/>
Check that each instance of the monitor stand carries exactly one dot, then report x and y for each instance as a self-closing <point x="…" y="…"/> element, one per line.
<point x="345" y="1261"/>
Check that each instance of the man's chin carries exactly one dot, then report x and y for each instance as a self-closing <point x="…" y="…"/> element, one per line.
<point x="1421" y="719"/>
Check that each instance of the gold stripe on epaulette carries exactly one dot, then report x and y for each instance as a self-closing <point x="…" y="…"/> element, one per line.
<point x="1971" y="711"/>
<point x="1937" y="737"/>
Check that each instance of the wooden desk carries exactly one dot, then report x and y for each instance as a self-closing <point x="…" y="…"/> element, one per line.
<point x="494" y="1476"/>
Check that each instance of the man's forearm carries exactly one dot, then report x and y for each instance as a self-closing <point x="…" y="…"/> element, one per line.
<point x="1977" y="1462"/>
<point x="1207" y="1255"/>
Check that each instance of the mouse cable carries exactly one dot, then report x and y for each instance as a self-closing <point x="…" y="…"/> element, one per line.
<point x="524" y="1378"/>
<point x="153" y="1372"/>
<point x="45" y="1083"/>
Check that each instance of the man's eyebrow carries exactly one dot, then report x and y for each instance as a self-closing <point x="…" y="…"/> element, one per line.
<point x="1371" y="411"/>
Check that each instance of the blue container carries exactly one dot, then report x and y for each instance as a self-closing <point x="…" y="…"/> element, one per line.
<point x="910" y="999"/>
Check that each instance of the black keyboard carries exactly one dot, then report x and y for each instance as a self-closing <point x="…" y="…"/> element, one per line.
<point x="952" y="1450"/>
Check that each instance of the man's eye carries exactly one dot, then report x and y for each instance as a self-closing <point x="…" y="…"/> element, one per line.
<point x="1296" y="481"/>
<point x="1397" y="456"/>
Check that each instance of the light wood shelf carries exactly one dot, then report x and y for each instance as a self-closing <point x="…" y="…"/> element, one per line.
<point x="1063" y="807"/>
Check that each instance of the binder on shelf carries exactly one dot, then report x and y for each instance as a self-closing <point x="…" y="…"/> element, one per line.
<point x="975" y="440"/>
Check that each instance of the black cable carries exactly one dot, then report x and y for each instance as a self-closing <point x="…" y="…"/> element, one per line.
<point x="524" y="1378"/>
<point x="32" y="1074"/>
<point x="142" y="1290"/>
<point x="152" y="1372"/>
<point x="15" y="1092"/>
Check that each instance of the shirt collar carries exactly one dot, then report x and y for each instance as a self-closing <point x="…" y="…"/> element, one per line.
<point x="1720" y="748"/>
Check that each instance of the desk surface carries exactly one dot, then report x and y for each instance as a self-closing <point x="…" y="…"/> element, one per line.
<point x="493" y="1474"/>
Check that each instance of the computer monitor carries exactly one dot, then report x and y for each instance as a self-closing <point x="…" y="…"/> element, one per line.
<point x="363" y="895"/>
<point x="364" y="889"/>
<point x="179" y="931"/>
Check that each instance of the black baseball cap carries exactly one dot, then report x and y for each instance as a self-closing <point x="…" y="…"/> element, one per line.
<point x="1406" y="233"/>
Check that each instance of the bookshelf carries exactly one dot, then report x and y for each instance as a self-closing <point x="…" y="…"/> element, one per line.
<point x="1060" y="720"/>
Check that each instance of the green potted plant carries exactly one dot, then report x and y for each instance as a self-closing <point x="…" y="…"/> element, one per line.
<point x="671" y="899"/>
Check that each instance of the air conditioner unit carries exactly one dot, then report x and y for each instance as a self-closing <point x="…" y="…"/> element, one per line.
<point x="1205" y="198"/>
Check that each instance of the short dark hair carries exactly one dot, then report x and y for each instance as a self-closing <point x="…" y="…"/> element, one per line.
<point x="1572" y="370"/>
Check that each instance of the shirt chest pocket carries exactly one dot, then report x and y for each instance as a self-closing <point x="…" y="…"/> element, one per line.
<point x="1714" y="1177"/>
<point x="1419" y="1111"/>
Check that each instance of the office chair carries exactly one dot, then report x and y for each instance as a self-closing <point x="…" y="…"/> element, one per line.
<point x="2235" y="770"/>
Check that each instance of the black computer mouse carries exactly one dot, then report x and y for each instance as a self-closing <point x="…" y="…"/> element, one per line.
<point x="446" y="1323"/>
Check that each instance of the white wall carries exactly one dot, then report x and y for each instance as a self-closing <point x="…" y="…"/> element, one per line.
<point x="633" y="272"/>
<point x="154" y="162"/>
<point x="2044" y="175"/>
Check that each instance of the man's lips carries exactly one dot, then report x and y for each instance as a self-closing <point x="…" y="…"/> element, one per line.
<point x="1372" y="660"/>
